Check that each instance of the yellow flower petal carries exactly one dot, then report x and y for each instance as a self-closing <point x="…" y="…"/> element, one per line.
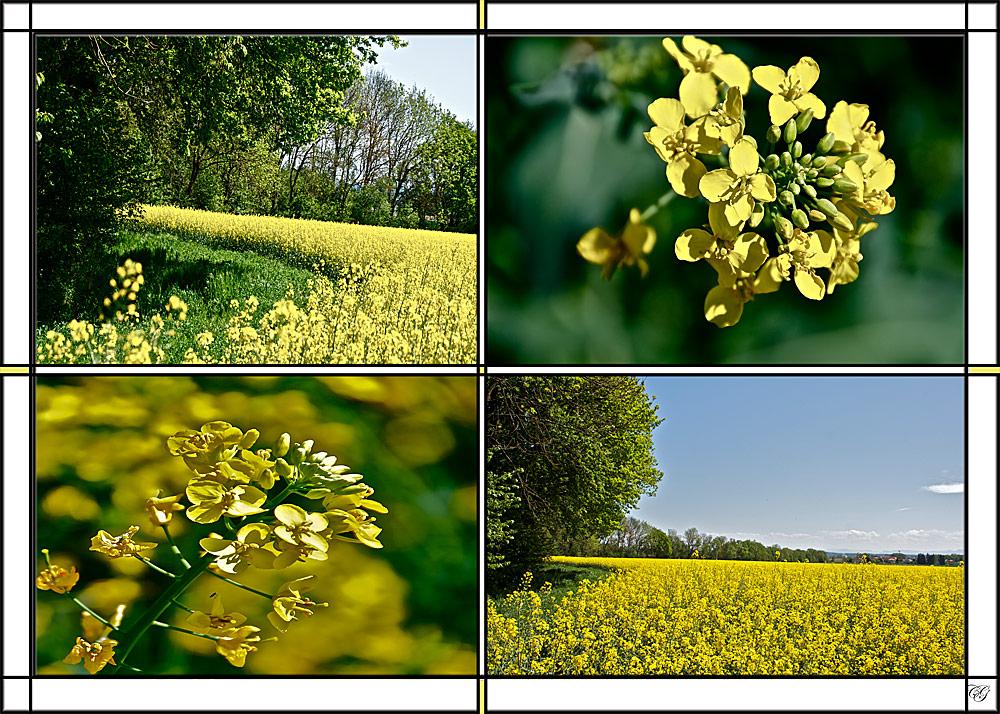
<point x="693" y="244"/>
<point x="743" y="158"/>
<point x="771" y="276"/>
<point x="809" y="284"/>
<point x="667" y="113"/>
<point x="674" y="51"/>
<point x="720" y="226"/>
<point x="698" y="93"/>
<point x="751" y="251"/>
<point x="811" y="101"/>
<point x="762" y="187"/>
<point x="723" y="306"/>
<point x="697" y="46"/>
<point x="733" y="71"/>
<point x="807" y="70"/>
<point x="684" y="172"/>
<point x="780" y="109"/>
<point x="596" y="246"/>
<point x="769" y="77"/>
<point x="714" y="184"/>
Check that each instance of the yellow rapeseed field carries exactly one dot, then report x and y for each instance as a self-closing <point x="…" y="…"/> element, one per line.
<point x="692" y="617"/>
<point x="382" y="296"/>
<point x="402" y="295"/>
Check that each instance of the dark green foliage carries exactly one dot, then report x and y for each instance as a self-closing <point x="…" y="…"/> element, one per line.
<point x="576" y="452"/>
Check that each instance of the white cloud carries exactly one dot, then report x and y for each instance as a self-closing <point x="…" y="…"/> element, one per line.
<point x="852" y="533"/>
<point x="916" y="536"/>
<point x="903" y="509"/>
<point x="945" y="488"/>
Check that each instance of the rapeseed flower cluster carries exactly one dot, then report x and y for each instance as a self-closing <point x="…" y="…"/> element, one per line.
<point x="243" y="491"/>
<point x="776" y="212"/>
<point x="733" y="618"/>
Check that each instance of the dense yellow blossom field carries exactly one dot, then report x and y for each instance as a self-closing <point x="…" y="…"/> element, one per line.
<point x="401" y="295"/>
<point x="692" y="617"/>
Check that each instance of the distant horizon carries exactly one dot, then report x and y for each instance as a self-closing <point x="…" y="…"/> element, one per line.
<point x="841" y="464"/>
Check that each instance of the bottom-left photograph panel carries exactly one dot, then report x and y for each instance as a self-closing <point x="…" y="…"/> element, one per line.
<point x="257" y="525"/>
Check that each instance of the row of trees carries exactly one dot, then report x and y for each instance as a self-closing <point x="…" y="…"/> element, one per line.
<point x="566" y="458"/>
<point x="638" y="539"/>
<point x="268" y="125"/>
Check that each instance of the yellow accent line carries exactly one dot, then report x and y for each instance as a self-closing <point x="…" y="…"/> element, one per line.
<point x="13" y="370"/>
<point x="482" y="696"/>
<point x="482" y="14"/>
<point x="984" y="370"/>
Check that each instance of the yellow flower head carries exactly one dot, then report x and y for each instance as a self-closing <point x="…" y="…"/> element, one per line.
<point x="849" y="123"/>
<point x="738" y="186"/>
<point x="701" y="61"/>
<point x="217" y="621"/>
<point x="730" y="254"/>
<point x="119" y="546"/>
<point x="57" y="579"/>
<point x="355" y="522"/>
<point x="790" y="92"/>
<point x="216" y="442"/>
<point x="635" y="241"/>
<point x="677" y="144"/>
<point x="161" y="510"/>
<point x="803" y="254"/>
<point x="211" y="500"/>
<point x="301" y="529"/>
<point x="234" y="644"/>
<point x="94" y="656"/>
<point x="248" y="548"/>
<point x="290" y="602"/>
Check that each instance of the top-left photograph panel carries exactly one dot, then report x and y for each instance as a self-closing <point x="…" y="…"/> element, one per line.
<point x="224" y="198"/>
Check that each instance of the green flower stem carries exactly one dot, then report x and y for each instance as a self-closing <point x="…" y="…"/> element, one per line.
<point x="137" y="629"/>
<point x="183" y="607"/>
<point x="662" y="202"/>
<point x="133" y="669"/>
<point x="272" y="502"/>
<point x="227" y="522"/>
<point x="99" y="618"/>
<point x="152" y="565"/>
<point x="174" y="548"/>
<point x="241" y="585"/>
<point x="181" y="629"/>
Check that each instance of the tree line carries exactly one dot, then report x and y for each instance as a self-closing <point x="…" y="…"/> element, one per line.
<point x="281" y="125"/>
<point x="635" y="538"/>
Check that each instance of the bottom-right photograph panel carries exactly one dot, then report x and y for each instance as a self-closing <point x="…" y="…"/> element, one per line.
<point x="729" y="526"/>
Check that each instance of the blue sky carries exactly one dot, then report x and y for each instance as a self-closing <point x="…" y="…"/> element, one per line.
<point x="444" y="65"/>
<point x="838" y="463"/>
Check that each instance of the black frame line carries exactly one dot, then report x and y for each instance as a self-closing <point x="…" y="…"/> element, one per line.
<point x="881" y="32"/>
<point x="35" y="34"/>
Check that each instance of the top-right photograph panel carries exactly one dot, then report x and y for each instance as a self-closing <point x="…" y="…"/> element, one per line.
<point x="742" y="200"/>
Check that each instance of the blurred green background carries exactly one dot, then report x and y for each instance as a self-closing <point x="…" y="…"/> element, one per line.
<point x="410" y="608"/>
<point x="565" y="153"/>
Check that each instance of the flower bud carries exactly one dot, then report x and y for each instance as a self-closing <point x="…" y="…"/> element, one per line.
<point x="282" y="445"/>
<point x="816" y="215"/>
<point x="824" y="182"/>
<point x="825" y="144"/>
<point x="282" y="468"/>
<point x="797" y="149"/>
<point x="790" y="131"/>
<point x="786" y="159"/>
<point x="856" y="158"/>
<point x="840" y="147"/>
<point x="843" y="222"/>
<point x="773" y="134"/>
<point x="830" y="171"/>
<point x="795" y="188"/>
<point x="827" y="207"/>
<point x="819" y="162"/>
<point x="806" y="160"/>
<point x="803" y="120"/>
<point x="809" y="190"/>
<point x="844" y="185"/>
<point x="812" y="173"/>
<point x="786" y="198"/>
<point x="771" y="162"/>
<point x="784" y="227"/>
<point x="800" y="219"/>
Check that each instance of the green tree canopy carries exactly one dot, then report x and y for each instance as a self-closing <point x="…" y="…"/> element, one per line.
<point x="575" y="451"/>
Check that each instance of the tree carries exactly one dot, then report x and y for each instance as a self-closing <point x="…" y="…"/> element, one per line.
<point x="581" y="452"/>
<point x="445" y="176"/>
<point x="921" y="559"/>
